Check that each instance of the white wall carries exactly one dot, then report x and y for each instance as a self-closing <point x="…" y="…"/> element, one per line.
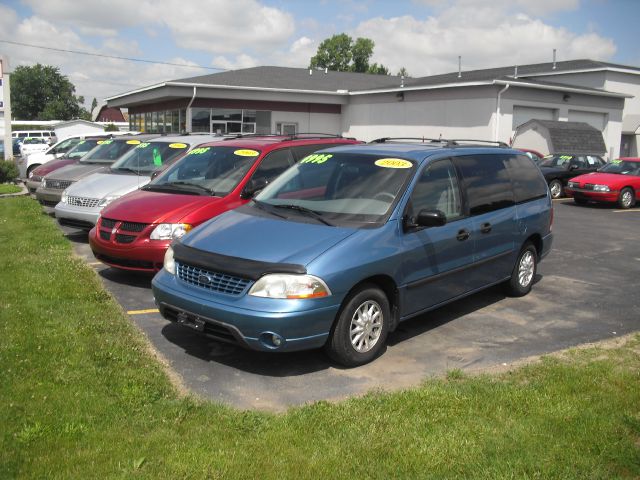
<point x="533" y="139"/>
<point x="309" y="122"/>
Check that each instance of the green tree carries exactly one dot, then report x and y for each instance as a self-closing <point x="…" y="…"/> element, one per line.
<point x="403" y="72"/>
<point x="94" y="104"/>
<point x="341" y="54"/>
<point x="41" y="92"/>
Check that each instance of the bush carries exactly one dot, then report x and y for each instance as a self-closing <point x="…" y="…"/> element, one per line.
<point x="8" y="171"/>
<point x="110" y="128"/>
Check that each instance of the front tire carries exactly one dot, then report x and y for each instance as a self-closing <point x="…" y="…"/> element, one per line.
<point x="627" y="198"/>
<point x="361" y="327"/>
<point x="556" y="188"/>
<point x="524" y="272"/>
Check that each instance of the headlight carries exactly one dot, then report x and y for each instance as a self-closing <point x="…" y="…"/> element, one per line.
<point x="290" y="286"/>
<point x="573" y="184"/>
<point x="169" y="262"/>
<point x="63" y="197"/>
<point x="43" y="183"/>
<point x="601" y="188"/>
<point x="107" y="200"/>
<point x="169" y="231"/>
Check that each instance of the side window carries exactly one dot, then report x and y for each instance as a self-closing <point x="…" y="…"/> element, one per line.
<point x="437" y="189"/>
<point x="273" y="164"/>
<point x="528" y="183"/>
<point x="301" y="151"/>
<point x="578" y="162"/>
<point x="486" y="182"/>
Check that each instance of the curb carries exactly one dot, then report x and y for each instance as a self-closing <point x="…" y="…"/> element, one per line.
<point x="24" y="191"/>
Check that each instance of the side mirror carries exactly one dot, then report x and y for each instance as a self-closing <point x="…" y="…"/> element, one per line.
<point x="253" y="186"/>
<point x="427" y="218"/>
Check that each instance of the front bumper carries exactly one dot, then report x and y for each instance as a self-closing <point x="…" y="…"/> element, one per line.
<point x="143" y="255"/>
<point x="33" y="185"/>
<point x="80" y="217"/>
<point x="48" y="197"/>
<point x="590" y="195"/>
<point x="241" y="321"/>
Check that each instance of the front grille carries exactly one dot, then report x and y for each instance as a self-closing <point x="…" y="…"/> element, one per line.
<point x="105" y="235"/>
<point x="588" y="186"/>
<point x="108" y="223"/>
<point x="120" y="238"/>
<point x="132" y="226"/>
<point x="83" y="202"/>
<point x="57" y="184"/>
<point x="213" y="281"/>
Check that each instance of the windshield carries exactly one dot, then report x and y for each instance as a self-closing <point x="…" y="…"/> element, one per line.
<point x="558" y="161"/>
<point x="81" y="149"/>
<point x="211" y="170"/>
<point x="33" y="140"/>
<point x="352" y="188"/>
<point x="147" y="157"/>
<point x="108" y="151"/>
<point x="622" y="167"/>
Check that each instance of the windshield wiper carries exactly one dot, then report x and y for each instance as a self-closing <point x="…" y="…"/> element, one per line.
<point x="263" y="206"/>
<point x="311" y="213"/>
<point x="195" y="185"/>
<point x="125" y="169"/>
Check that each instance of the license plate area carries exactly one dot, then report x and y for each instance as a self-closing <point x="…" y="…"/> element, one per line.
<point x="190" y="321"/>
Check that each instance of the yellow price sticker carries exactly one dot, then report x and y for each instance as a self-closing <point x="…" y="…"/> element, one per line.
<point x="393" y="163"/>
<point x="199" y="151"/>
<point x="246" y="153"/>
<point x="104" y="142"/>
<point x="133" y="142"/>
<point x="177" y="145"/>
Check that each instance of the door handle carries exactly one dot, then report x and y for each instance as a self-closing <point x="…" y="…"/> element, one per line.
<point x="462" y="235"/>
<point x="485" y="227"/>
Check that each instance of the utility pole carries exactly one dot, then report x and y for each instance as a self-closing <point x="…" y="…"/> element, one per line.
<point x="5" y="108"/>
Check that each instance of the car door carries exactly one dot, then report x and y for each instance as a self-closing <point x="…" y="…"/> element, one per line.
<point x="435" y="259"/>
<point x="272" y="165"/>
<point x="493" y="216"/>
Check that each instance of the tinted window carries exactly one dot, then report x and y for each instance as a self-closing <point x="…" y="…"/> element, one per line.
<point x="486" y="182"/>
<point x="301" y="151"/>
<point x="528" y="182"/>
<point x="437" y="189"/>
<point x="273" y="165"/>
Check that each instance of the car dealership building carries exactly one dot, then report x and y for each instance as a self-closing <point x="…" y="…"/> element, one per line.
<point x="481" y="104"/>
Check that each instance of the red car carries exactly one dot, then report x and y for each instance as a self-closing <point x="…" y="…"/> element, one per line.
<point x="134" y="231"/>
<point x="616" y="182"/>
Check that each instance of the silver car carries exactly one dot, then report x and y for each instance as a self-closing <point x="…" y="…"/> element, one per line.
<point x="81" y="203"/>
<point x="104" y="154"/>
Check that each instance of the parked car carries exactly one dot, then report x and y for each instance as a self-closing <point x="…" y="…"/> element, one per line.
<point x="534" y="155"/>
<point x="34" y="160"/>
<point x="134" y="232"/>
<point x="82" y="148"/>
<point x="32" y="145"/>
<point x="559" y="168"/>
<point x="48" y="135"/>
<point x="104" y="154"/>
<point x="616" y="182"/>
<point x="353" y="240"/>
<point x="81" y="203"/>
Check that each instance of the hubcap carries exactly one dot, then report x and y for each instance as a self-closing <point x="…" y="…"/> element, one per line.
<point x="366" y="326"/>
<point x="626" y="198"/>
<point x="555" y="189"/>
<point x="526" y="268"/>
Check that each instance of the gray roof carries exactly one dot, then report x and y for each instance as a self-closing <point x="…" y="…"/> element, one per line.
<point x="295" y="79"/>
<point x="571" y="137"/>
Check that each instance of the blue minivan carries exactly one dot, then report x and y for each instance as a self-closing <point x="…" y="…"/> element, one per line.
<point x="353" y="240"/>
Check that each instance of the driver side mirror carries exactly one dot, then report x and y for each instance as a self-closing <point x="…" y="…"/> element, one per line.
<point x="427" y="218"/>
<point x="253" y="186"/>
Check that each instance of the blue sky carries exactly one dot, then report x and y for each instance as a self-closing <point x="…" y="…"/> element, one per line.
<point x="424" y="36"/>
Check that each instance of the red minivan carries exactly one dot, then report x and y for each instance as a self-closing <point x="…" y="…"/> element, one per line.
<point x="134" y="231"/>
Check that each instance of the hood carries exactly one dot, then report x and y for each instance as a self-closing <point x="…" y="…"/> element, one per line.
<point x="238" y="234"/>
<point x="610" y="179"/>
<point x="155" y="207"/>
<point x="99" y="185"/>
<point x="77" y="171"/>
<point x="53" y="165"/>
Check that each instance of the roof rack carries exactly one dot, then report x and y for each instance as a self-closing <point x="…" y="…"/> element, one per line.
<point x="290" y="136"/>
<point x="457" y="142"/>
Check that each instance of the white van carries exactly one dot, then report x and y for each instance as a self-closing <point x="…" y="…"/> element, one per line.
<point x="50" y="135"/>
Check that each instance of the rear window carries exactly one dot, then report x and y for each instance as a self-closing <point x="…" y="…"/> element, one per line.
<point x="109" y="150"/>
<point x="527" y="180"/>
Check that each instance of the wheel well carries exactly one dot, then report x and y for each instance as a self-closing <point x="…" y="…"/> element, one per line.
<point x="536" y="239"/>
<point x="32" y="167"/>
<point x="390" y="289"/>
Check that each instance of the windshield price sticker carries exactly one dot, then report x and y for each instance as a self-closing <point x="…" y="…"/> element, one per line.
<point x="81" y="142"/>
<point x="616" y="161"/>
<point x="246" y="153"/>
<point x="177" y="145"/>
<point x="199" y="151"/>
<point x="133" y="142"/>
<point x="393" y="163"/>
<point x="143" y="145"/>
<point x="316" y="158"/>
<point x="565" y="157"/>
<point x="104" y="142"/>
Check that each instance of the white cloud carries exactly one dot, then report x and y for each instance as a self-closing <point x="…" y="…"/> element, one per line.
<point x="241" y="61"/>
<point x="534" y="7"/>
<point x="483" y="37"/>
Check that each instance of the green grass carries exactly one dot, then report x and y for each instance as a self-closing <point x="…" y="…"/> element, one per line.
<point x="80" y="397"/>
<point x="9" y="188"/>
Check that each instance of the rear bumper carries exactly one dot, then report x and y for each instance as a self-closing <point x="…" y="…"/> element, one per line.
<point x="80" y="217"/>
<point x="142" y="255"/>
<point x="581" y="194"/>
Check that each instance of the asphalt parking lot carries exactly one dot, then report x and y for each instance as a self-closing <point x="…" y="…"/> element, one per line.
<point x="585" y="292"/>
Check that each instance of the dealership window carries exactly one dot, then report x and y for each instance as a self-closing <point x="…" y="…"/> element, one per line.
<point x="229" y="121"/>
<point x="200" y="120"/>
<point x="285" y="128"/>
